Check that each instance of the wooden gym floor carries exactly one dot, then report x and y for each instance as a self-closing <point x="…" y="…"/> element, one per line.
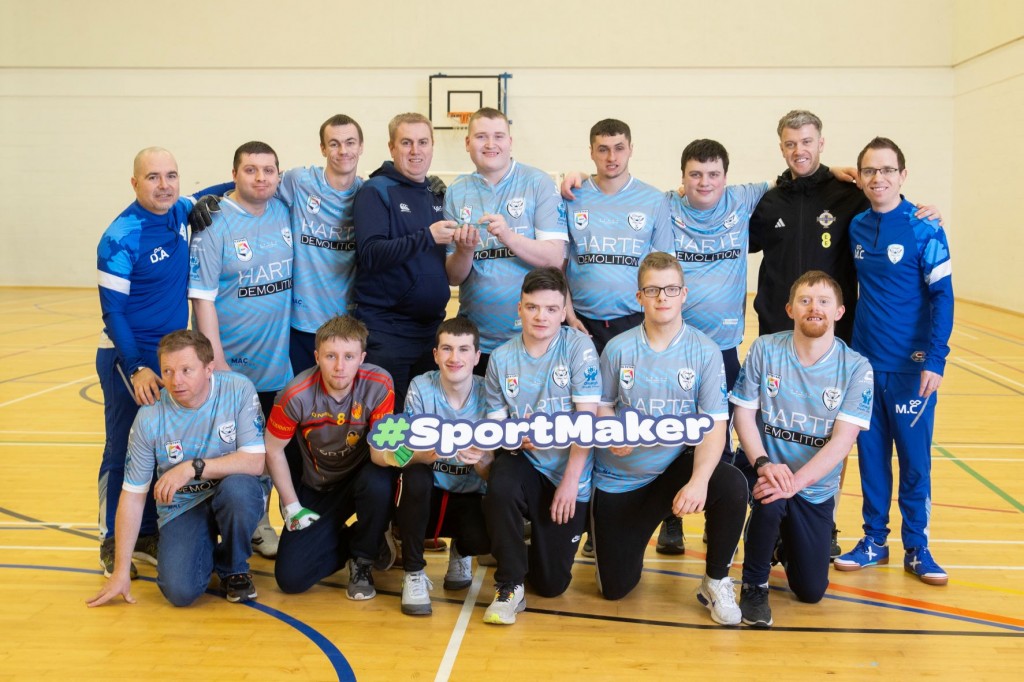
<point x="875" y="624"/>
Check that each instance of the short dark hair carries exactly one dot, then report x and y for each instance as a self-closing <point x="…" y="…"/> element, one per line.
<point x="658" y="260"/>
<point x="340" y="120"/>
<point x="488" y="112"/>
<point x="703" y="151"/>
<point x="458" y="326"/>
<point x="545" y="279"/>
<point x="883" y="143"/>
<point x="608" y="127"/>
<point x="344" y="327"/>
<point x="254" y="147"/>
<point x="186" y="338"/>
<point x="812" y="277"/>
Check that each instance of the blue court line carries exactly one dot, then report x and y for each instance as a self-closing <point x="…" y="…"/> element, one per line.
<point x="338" y="661"/>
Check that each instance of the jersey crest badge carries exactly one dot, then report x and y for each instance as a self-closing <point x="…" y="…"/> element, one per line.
<point x="357" y="411"/>
<point x="731" y="220"/>
<point x="686" y="378"/>
<point x="831" y="397"/>
<point x="772" y="383"/>
<point x="917" y="356"/>
<point x="242" y="250"/>
<point x="182" y="233"/>
<point x="465" y="214"/>
<point x="858" y="252"/>
<point x="637" y="220"/>
<point x="174" y="451"/>
<point x="865" y="399"/>
<point x="313" y="204"/>
<point x="895" y="253"/>
<point x="580" y="219"/>
<point x="286" y="235"/>
<point x="512" y="385"/>
<point x="626" y="376"/>
<point x="226" y="431"/>
<point x="516" y="207"/>
<point x="826" y="219"/>
<point x="560" y="375"/>
<point x="678" y="222"/>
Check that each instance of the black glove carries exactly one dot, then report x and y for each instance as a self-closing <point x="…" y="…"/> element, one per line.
<point x="437" y="186"/>
<point x="201" y="216"/>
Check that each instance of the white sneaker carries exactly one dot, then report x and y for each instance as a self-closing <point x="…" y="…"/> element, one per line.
<point x="720" y="598"/>
<point x="460" y="570"/>
<point x="416" y="588"/>
<point x="264" y="541"/>
<point x="508" y="601"/>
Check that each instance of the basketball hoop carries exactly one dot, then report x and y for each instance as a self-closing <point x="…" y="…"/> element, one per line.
<point x="462" y="118"/>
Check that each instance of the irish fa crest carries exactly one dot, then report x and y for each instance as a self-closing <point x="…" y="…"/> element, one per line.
<point x="560" y="375"/>
<point x="637" y="220"/>
<point x="831" y="397"/>
<point x="226" y="431"/>
<point x="580" y="219"/>
<point x="626" y="376"/>
<point x="286" y="235"/>
<point x="516" y="206"/>
<point x="174" y="451"/>
<point x="686" y="377"/>
<point x="895" y="253"/>
<point x="826" y="219"/>
<point x="313" y="204"/>
<point x="772" y="383"/>
<point x="242" y="250"/>
<point x="512" y="385"/>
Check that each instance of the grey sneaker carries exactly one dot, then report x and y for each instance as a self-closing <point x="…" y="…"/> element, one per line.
<point x="107" y="560"/>
<point x="757" y="612"/>
<point x="360" y="580"/>
<point x="147" y="548"/>
<point x="508" y="601"/>
<point x="416" y="588"/>
<point x="238" y="588"/>
<point x="460" y="570"/>
<point x="264" y="541"/>
<point x="720" y="599"/>
<point x="670" y="539"/>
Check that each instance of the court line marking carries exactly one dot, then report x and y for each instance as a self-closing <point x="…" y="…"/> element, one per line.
<point x="337" y="659"/>
<point x="444" y="671"/>
<point x="48" y="390"/>
<point x="984" y="481"/>
<point x="978" y="367"/>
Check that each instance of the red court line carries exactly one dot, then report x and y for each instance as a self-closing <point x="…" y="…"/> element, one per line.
<point x="985" y="357"/>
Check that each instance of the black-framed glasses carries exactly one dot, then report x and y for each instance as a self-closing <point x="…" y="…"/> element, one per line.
<point x="671" y="291"/>
<point x="886" y="172"/>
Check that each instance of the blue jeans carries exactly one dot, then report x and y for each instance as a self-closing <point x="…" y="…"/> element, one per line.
<point x="119" y="410"/>
<point x="189" y="551"/>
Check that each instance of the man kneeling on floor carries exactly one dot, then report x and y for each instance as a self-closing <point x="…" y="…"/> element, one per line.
<point x="204" y="438"/>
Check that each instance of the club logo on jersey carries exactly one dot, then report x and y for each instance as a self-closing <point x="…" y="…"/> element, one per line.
<point x="731" y="220"/>
<point x="826" y="219"/>
<point x="677" y="220"/>
<point x="226" y="431"/>
<point x="637" y="221"/>
<point x="591" y="377"/>
<point x="193" y="268"/>
<point x="516" y="206"/>
<point x="865" y="398"/>
<point x="686" y="378"/>
<point x="242" y="250"/>
<point x="917" y="356"/>
<point x="465" y="214"/>
<point x="182" y="233"/>
<point x="772" y="383"/>
<point x="286" y="234"/>
<point x="404" y="208"/>
<point x="626" y="376"/>
<point x="357" y="411"/>
<point x="158" y="255"/>
<point x="858" y="252"/>
<point x="831" y="397"/>
<point x="895" y="253"/>
<point x="351" y="439"/>
<point x="780" y="223"/>
<point x="313" y="204"/>
<point x="580" y="219"/>
<point x="512" y="385"/>
<point x="561" y="376"/>
<point x="175" y="453"/>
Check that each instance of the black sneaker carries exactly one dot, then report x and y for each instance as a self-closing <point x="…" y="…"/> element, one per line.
<point x="670" y="538"/>
<point x="147" y="548"/>
<point x="837" y="551"/>
<point x="107" y="560"/>
<point x="238" y="588"/>
<point x="754" y="607"/>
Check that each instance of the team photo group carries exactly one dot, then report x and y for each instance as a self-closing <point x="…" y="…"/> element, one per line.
<point x="318" y="308"/>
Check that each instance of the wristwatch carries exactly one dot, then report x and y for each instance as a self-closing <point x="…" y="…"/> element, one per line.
<point x="199" y="464"/>
<point x="760" y="462"/>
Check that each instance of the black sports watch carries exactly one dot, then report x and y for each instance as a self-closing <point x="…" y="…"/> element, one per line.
<point x="760" y="462"/>
<point x="199" y="464"/>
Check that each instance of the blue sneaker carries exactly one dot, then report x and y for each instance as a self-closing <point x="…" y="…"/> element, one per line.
<point x="920" y="562"/>
<point x="865" y="554"/>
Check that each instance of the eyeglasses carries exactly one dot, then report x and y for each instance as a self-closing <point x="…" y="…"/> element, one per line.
<point x="671" y="291"/>
<point x="871" y="172"/>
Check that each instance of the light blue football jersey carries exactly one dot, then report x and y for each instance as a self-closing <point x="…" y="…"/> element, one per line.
<point x="243" y="263"/>
<point x="608" y="237"/>
<point x="519" y="385"/>
<point x="325" y="245"/>
<point x="712" y="247"/>
<point x="797" y="406"/>
<point x="165" y="434"/>
<point x="685" y="378"/>
<point x="529" y="201"/>
<point x="426" y="396"/>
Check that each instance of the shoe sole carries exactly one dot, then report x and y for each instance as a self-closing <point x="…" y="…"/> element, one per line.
<point x="711" y="610"/>
<point x="856" y="567"/>
<point x="495" y="618"/>
<point x="457" y="585"/>
<point x="240" y="599"/>
<point x="929" y="580"/>
<point x="133" y="573"/>
<point x="670" y="549"/>
<point x="360" y="596"/>
<point x="432" y="546"/>
<point x="143" y="556"/>
<point x="417" y="610"/>
<point x="758" y="623"/>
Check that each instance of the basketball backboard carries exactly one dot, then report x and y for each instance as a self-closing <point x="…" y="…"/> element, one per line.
<point x="454" y="95"/>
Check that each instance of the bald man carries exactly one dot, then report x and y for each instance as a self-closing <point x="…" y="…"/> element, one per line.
<point x="142" y="268"/>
